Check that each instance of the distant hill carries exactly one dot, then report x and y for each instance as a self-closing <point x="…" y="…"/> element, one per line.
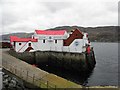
<point x="22" y="35"/>
<point x="97" y="34"/>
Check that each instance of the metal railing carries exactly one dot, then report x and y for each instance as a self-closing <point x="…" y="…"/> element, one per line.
<point x="27" y="76"/>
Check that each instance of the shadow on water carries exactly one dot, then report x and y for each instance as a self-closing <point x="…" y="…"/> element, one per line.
<point x="77" y="77"/>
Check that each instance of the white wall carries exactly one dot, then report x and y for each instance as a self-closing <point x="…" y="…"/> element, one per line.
<point x="49" y="45"/>
<point x="18" y="47"/>
<point x="24" y="46"/>
<point x="75" y="46"/>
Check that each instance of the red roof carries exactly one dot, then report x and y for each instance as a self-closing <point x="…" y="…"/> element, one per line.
<point x="17" y="39"/>
<point x="50" y="32"/>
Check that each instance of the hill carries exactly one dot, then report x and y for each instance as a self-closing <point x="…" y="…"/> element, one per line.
<point x="99" y="34"/>
<point x="96" y="34"/>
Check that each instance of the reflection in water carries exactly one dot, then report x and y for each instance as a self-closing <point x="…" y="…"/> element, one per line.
<point x="79" y="78"/>
<point x="105" y="71"/>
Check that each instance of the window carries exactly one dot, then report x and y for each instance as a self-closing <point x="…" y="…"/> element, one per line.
<point x="50" y="37"/>
<point x="55" y="41"/>
<point x="29" y="44"/>
<point x="43" y="41"/>
<point x="19" y="43"/>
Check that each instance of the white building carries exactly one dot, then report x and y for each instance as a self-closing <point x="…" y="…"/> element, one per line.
<point x="49" y="40"/>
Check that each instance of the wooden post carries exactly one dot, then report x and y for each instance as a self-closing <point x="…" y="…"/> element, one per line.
<point x="10" y="68"/>
<point x="55" y="87"/>
<point x="27" y="75"/>
<point x="21" y="72"/>
<point x="6" y="64"/>
<point x="47" y="84"/>
<point x="40" y="82"/>
<point x="33" y="77"/>
<point x="15" y="70"/>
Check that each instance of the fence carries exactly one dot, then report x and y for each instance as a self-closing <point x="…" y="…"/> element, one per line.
<point x="27" y="76"/>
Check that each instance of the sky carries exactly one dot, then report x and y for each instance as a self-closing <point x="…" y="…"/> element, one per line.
<point x="28" y="15"/>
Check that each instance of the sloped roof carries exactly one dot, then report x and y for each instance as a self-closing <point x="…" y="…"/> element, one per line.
<point x="50" y="32"/>
<point x="17" y="39"/>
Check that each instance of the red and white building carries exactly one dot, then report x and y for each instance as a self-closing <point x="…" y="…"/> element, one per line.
<point x="49" y="40"/>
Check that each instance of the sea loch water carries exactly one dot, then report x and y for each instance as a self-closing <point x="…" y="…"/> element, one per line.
<point x="106" y="69"/>
<point x="105" y="72"/>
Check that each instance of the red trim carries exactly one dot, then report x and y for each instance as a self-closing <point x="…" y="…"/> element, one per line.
<point x="17" y="39"/>
<point x="22" y="47"/>
<point x="50" y="32"/>
<point x="77" y="34"/>
<point x="88" y="49"/>
<point x="29" y="48"/>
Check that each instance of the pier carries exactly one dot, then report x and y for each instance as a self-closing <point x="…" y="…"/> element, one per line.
<point x="34" y="75"/>
<point x="39" y="78"/>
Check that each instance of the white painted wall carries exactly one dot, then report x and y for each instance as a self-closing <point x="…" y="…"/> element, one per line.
<point x="48" y="45"/>
<point x="24" y="46"/>
<point x="76" y="46"/>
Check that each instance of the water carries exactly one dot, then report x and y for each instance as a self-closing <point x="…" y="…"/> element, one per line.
<point x="106" y="69"/>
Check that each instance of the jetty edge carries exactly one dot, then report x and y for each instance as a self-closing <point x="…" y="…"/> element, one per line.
<point x="69" y="61"/>
<point x="20" y="69"/>
<point x="34" y="75"/>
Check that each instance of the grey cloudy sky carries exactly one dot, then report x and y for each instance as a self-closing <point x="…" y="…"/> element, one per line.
<point x="28" y="15"/>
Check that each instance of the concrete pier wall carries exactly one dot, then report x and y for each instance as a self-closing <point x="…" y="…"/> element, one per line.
<point x="69" y="61"/>
<point x="33" y="75"/>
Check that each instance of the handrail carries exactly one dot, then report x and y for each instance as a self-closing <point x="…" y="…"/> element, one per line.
<point x="31" y="78"/>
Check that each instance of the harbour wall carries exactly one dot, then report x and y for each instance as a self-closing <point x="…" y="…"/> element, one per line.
<point x="80" y="62"/>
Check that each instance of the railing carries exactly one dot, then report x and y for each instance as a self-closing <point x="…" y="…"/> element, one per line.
<point x="27" y="76"/>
